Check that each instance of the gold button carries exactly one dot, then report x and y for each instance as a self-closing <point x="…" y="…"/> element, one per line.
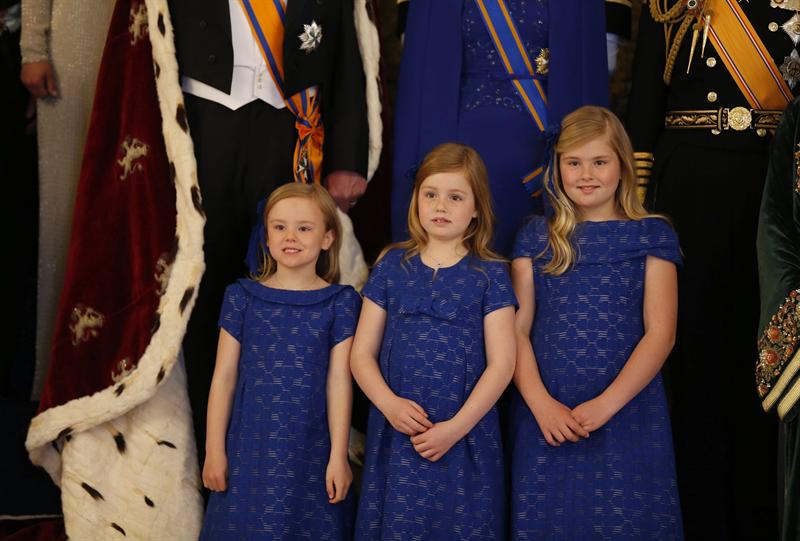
<point x="773" y="26"/>
<point x="711" y="61"/>
<point x="715" y="131"/>
<point x="761" y="132"/>
<point x="712" y="97"/>
<point x="779" y="2"/>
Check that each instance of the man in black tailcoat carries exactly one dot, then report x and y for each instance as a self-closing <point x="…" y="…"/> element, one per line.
<point x="245" y="136"/>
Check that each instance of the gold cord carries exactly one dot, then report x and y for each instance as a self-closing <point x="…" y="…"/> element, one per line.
<point x="670" y="17"/>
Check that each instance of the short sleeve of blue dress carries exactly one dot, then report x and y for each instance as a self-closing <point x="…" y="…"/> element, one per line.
<point x="346" y="308"/>
<point x="234" y="306"/>
<point x="376" y="287"/>
<point x="662" y="240"/>
<point x="531" y="238"/>
<point x="499" y="291"/>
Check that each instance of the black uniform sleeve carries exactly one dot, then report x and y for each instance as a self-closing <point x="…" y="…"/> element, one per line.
<point x="345" y="109"/>
<point x="618" y="18"/>
<point x="647" y="103"/>
<point x="402" y="16"/>
<point x="778" y="369"/>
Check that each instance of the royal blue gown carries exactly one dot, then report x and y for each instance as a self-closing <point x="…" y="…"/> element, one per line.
<point x="433" y="353"/>
<point x="620" y="482"/>
<point x="453" y="87"/>
<point x="278" y="443"/>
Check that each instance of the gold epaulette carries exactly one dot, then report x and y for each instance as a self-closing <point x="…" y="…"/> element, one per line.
<point x="644" y="167"/>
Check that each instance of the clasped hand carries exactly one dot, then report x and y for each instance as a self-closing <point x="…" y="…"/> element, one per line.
<point x="558" y="423"/>
<point x="431" y="441"/>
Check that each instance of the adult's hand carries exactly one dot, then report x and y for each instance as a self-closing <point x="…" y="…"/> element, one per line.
<point x="39" y="78"/>
<point x="345" y="187"/>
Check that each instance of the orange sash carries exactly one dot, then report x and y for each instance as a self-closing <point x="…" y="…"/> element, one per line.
<point x="747" y="59"/>
<point x="267" y="18"/>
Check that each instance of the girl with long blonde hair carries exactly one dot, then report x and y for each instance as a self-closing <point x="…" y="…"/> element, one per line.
<point x="433" y="351"/>
<point x="597" y="287"/>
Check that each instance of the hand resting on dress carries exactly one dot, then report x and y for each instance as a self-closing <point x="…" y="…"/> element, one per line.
<point x="215" y="472"/>
<point x="338" y="478"/>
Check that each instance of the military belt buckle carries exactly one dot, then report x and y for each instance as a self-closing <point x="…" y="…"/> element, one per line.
<point x="737" y="119"/>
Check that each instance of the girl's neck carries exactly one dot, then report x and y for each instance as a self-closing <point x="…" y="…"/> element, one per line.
<point x="438" y="254"/>
<point x="295" y="280"/>
<point x="593" y="215"/>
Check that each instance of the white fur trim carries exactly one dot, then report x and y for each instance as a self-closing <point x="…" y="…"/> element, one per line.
<point x="154" y="404"/>
<point x="369" y="45"/>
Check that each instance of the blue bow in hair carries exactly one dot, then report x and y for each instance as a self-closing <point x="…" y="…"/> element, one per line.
<point x="411" y="172"/>
<point x="257" y="247"/>
<point x="550" y="136"/>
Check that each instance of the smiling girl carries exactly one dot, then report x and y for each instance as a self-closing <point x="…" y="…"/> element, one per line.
<point x="280" y="400"/>
<point x="597" y="287"/>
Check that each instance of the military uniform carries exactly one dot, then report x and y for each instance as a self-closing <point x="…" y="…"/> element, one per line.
<point x="778" y="368"/>
<point x="702" y="151"/>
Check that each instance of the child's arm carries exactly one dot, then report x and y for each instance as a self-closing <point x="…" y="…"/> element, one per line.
<point x="220" y="398"/>
<point x="498" y="329"/>
<point x="554" y="418"/>
<point x="338" y="476"/>
<point x="660" y="318"/>
<point x="406" y="416"/>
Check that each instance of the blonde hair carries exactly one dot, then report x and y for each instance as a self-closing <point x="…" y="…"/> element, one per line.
<point x="328" y="262"/>
<point x="453" y="158"/>
<point x="583" y="125"/>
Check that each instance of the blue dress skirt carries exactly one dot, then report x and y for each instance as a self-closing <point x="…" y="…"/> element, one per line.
<point x="620" y="482"/>
<point x="278" y="443"/>
<point x="433" y="353"/>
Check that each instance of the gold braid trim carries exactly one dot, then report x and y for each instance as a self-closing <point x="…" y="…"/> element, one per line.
<point x="670" y="17"/>
<point x="644" y="164"/>
<point x="789" y="399"/>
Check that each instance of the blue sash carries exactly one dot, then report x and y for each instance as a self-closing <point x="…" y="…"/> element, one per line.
<point x="516" y="61"/>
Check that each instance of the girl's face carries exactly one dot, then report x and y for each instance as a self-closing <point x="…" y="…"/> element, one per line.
<point x="296" y="233"/>
<point x="590" y="174"/>
<point x="446" y="205"/>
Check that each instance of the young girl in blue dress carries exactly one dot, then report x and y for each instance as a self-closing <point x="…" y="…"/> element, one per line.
<point x="596" y="281"/>
<point x="433" y="351"/>
<point x="280" y="399"/>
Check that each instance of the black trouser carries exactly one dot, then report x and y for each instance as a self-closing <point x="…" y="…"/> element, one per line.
<point x="18" y="168"/>
<point x="790" y="470"/>
<point x="242" y="156"/>
<point x="724" y="443"/>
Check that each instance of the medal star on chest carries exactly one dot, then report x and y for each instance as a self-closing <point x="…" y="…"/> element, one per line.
<point x="311" y="37"/>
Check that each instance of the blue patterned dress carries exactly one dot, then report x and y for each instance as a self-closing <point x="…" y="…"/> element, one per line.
<point x="433" y="353"/>
<point x="620" y="482"/>
<point x="278" y="443"/>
